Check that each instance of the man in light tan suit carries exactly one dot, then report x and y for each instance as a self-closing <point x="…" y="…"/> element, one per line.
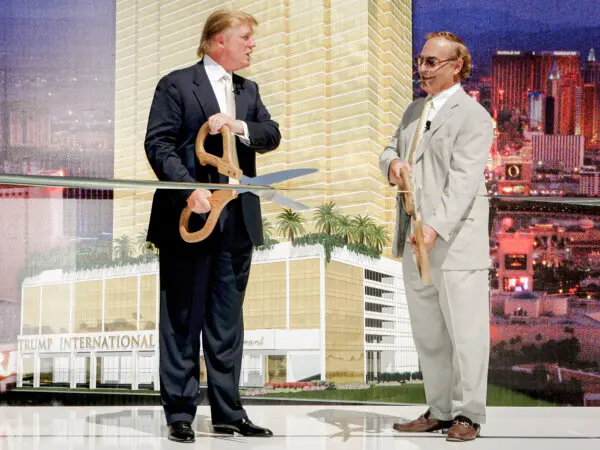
<point x="450" y="135"/>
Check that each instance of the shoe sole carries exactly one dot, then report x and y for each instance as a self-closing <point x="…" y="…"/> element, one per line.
<point x="182" y="441"/>
<point x="462" y="440"/>
<point x="232" y="431"/>
<point x="439" y="430"/>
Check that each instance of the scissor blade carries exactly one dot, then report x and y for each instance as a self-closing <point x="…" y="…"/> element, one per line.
<point x="585" y="201"/>
<point x="276" y="177"/>
<point x="281" y="199"/>
<point x="109" y="184"/>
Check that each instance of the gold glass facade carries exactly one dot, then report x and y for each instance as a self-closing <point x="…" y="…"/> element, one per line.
<point x="88" y="306"/>
<point x="31" y="310"/>
<point x="344" y="322"/>
<point x="265" y="301"/>
<point x="120" y="311"/>
<point x="119" y="295"/>
<point x="148" y="289"/>
<point x="56" y="306"/>
<point x="335" y="74"/>
<point x="305" y="294"/>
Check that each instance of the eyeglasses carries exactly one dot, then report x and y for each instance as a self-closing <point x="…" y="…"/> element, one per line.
<point x="431" y="62"/>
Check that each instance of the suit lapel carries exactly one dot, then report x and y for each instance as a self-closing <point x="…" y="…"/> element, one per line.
<point x="440" y="118"/>
<point x="411" y="127"/>
<point x="241" y="97"/>
<point x="204" y="92"/>
<point x="206" y="96"/>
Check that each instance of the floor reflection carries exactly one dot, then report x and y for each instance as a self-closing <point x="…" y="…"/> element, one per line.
<point x="358" y="422"/>
<point x="295" y="427"/>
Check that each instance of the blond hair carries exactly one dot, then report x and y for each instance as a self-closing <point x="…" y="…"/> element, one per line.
<point x="462" y="52"/>
<point x="219" y="22"/>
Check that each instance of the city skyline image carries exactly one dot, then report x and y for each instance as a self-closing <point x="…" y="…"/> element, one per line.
<point x="536" y="73"/>
<point x="56" y="118"/>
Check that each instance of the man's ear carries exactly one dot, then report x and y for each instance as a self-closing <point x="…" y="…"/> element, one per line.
<point x="219" y="39"/>
<point x="459" y="66"/>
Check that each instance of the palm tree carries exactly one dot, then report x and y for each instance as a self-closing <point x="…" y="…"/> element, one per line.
<point x="326" y="217"/>
<point x="123" y="247"/>
<point x="82" y="254"/>
<point x="101" y="252"/>
<point x="344" y="227"/>
<point x="361" y="227"/>
<point x="378" y="237"/>
<point x="290" y="224"/>
<point x="142" y="245"/>
<point x="267" y="230"/>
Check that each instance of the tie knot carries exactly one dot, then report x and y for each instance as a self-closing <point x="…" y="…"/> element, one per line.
<point x="227" y="78"/>
<point x="428" y="106"/>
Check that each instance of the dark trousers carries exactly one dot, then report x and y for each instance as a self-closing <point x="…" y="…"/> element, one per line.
<point x="201" y="294"/>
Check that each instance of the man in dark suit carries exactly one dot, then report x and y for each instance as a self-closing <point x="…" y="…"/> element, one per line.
<point x="202" y="285"/>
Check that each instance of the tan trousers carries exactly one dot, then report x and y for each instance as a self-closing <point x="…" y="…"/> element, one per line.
<point x="451" y="328"/>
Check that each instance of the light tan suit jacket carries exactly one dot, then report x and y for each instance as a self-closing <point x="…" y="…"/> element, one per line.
<point x="448" y="174"/>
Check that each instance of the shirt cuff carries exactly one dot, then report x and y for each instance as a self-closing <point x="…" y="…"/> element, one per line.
<point x="245" y="138"/>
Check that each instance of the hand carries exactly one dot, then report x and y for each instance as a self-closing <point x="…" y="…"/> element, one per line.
<point x="198" y="201"/>
<point x="216" y="122"/>
<point x="394" y="172"/>
<point x="429" y="238"/>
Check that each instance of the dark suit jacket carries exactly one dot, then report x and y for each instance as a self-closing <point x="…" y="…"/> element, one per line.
<point x="183" y="102"/>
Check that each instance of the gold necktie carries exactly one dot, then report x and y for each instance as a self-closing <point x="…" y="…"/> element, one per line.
<point x="410" y="198"/>
<point x="420" y="129"/>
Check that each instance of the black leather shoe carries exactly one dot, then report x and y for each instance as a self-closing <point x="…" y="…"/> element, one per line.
<point x="245" y="427"/>
<point x="181" y="432"/>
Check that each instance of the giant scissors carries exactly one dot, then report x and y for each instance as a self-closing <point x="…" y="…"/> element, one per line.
<point x="221" y="197"/>
<point x="408" y="201"/>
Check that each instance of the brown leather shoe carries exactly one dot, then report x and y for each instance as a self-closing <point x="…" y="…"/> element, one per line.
<point x="463" y="429"/>
<point x="423" y="425"/>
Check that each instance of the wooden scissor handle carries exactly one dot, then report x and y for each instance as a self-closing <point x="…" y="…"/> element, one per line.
<point x="217" y="201"/>
<point x="408" y="199"/>
<point x="223" y="165"/>
<point x="408" y="202"/>
<point x="422" y="256"/>
<point x="220" y="198"/>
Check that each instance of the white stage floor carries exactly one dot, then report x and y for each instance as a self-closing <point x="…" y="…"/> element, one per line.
<point x="296" y="427"/>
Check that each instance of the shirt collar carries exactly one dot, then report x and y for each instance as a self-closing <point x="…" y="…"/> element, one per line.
<point x="214" y="71"/>
<point x="440" y="98"/>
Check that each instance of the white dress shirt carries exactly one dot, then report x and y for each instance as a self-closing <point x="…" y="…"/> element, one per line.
<point x="215" y="73"/>
<point x="439" y="99"/>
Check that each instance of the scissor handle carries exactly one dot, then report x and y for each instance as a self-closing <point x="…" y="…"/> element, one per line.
<point x="407" y="197"/>
<point x="223" y="165"/>
<point x="217" y="201"/>
<point x="408" y="202"/>
<point x="422" y="256"/>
